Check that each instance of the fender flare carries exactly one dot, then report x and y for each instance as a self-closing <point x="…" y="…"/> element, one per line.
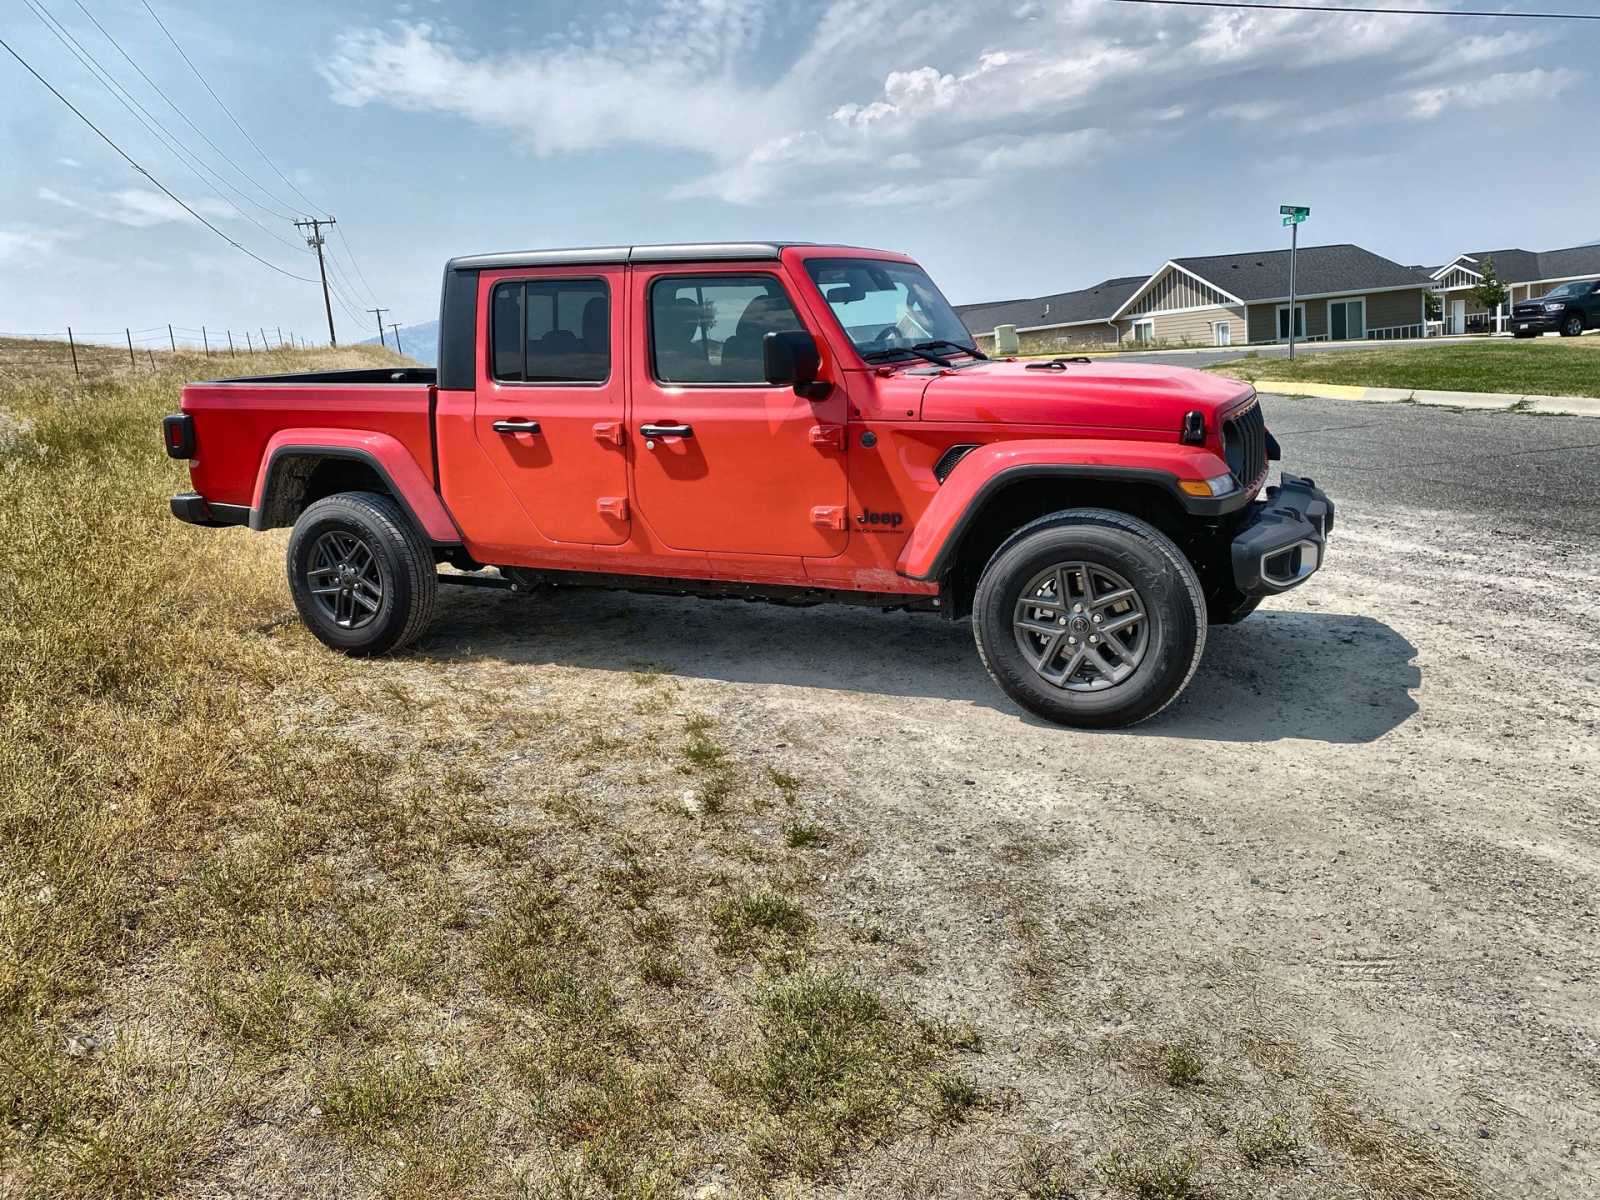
<point x="988" y="470"/>
<point x="385" y="454"/>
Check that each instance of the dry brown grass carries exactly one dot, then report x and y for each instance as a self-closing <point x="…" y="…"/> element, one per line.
<point x="276" y="923"/>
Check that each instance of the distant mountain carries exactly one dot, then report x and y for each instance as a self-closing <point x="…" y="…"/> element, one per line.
<point x="420" y="343"/>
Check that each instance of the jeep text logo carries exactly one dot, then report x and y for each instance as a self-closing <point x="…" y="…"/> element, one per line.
<point x="867" y="517"/>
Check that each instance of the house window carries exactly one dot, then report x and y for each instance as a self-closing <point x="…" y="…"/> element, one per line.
<point x="1144" y="332"/>
<point x="1222" y="333"/>
<point x="1299" y="322"/>
<point x="1347" y="319"/>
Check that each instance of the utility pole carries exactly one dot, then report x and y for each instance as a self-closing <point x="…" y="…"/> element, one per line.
<point x="205" y="341"/>
<point x="172" y="340"/>
<point x="132" y="361"/>
<point x="315" y="224"/>
<point x="396" y="329"/>
<point x="378" y="312"/>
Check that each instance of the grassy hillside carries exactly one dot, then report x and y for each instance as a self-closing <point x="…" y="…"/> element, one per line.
<point x="273" y="923"/>
<point x="1537" y="367"/>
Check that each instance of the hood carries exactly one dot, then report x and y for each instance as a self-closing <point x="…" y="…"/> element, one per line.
<point x="1102" y="395"/>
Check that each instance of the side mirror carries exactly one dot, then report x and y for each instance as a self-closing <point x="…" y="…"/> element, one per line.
<point x="791" y="357"/>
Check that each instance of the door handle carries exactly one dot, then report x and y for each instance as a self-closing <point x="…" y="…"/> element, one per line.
<point x="515" y="427"/>
<point x="655" y="431"/>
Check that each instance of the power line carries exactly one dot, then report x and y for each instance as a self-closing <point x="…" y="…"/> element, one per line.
<point x="132" y="163"/>
<point x="153" y="125"/>
<point x="172" y="104"/>
<point x="225" y="108"/>
<point x="1388" y="12"/>
<point x="356" y="263"/>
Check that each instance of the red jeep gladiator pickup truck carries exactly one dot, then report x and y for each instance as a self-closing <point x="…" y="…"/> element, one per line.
<point x="787" y="422"/>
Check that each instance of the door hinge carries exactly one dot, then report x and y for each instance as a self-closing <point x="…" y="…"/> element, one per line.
<point x="615" y="507"/>
<point x="828" y="435"/>
<point x="608" y="431"/>
<point x="828" y="516"/>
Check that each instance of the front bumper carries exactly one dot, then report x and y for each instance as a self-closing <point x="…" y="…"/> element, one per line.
<point x="1541" y="323"/>
<point x="1282" y="539"/>
<point x="195" y="509"/>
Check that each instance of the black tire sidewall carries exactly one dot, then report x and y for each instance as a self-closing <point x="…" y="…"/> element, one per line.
<point x="1174" y="628"/>
<point x="336" y="514"/>
<point x="1567" y="325"/>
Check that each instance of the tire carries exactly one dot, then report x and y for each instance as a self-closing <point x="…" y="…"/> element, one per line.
<point x="1118" y="553"/>
<point x="374" y="534"/>
<point x="1572" y="326"/>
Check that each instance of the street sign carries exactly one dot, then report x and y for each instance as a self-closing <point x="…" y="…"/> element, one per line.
<point x="1293" y="214"/>
<point x="1293" y="220"/>
<point x="1298" y="211"/>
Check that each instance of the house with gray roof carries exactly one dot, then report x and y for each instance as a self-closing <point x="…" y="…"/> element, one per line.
<point x="1342" y="292"/>
<point x="1526" y="274"/>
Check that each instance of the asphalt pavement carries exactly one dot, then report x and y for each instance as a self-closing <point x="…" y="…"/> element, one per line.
<point x="1539" y="474"/>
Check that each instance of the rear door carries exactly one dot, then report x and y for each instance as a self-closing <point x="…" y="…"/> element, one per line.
<point x="723" y="461"/>
<point x="549" y="406"/>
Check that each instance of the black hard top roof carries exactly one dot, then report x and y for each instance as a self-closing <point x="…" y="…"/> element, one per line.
<point x="583" y="255"/>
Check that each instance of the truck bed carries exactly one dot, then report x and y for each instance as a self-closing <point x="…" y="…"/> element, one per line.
<point x="425" y="375"/>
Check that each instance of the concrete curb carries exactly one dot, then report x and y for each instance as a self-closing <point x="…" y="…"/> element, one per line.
<point x="1571" y="406"/>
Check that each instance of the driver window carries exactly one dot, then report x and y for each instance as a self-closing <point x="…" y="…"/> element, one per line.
<point x="709" y="328"/>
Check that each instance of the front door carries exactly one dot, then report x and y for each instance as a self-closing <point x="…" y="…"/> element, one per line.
<point x="550" y="404"/>
<point x="1458" y="316"/>
<point x="723" y="461"/>
<point x="1347" y="320"/>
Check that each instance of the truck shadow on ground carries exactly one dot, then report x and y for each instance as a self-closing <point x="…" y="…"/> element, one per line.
<point x="1331" y="677"/>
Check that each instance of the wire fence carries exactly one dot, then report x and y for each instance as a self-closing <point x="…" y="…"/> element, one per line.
<point x="77" y="346"/>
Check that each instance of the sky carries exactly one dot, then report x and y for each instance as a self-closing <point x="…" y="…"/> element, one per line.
<point x="1015" y="148"/>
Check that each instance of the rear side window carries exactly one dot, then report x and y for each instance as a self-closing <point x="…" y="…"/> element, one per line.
<point x="551" y="331"/>
<point x="709" y="328"/>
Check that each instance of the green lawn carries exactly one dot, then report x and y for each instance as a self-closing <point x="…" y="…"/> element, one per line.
<point x="1542" y="366"/>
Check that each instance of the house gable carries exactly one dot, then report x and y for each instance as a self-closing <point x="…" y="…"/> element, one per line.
<point x="1174" y="288"/>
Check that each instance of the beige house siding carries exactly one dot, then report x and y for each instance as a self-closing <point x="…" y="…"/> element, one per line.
<point x="1195" y="328"/>
<point x="1174" y="289"/>
<point x="1384" y="310"/>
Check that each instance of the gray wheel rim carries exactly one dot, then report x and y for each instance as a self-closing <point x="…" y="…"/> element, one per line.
<point x="344" y="581"/>
<point x="1574" y="326"/>
<point x="1082" y="627"/>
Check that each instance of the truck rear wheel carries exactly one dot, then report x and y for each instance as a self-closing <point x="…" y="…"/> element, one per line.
<point x="361" y="575"/>
<point x="1091" y="618"/>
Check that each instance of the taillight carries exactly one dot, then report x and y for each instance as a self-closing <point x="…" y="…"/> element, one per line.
<point x="178" y="434"/>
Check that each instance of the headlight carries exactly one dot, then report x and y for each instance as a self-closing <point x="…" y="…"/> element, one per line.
<point x="1554" y="307"/>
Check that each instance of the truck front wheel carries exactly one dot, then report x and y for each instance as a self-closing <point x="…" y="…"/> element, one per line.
<point x="1572" y="326"/>
<point x="361" y="575"/>
<point x="1090" y="617"/>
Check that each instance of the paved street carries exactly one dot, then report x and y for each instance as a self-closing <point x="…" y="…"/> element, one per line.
<point x="1537" y="474"/>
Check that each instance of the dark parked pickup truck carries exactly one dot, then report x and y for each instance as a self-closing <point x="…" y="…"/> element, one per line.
<point x="1569" y="309"/>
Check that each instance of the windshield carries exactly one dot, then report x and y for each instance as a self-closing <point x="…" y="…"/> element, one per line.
<point x="886" y="306"/>
<point x="1569" y="291"/>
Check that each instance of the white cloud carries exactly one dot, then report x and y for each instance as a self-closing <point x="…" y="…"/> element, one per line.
<point x="994" y="87"/>
<point x="1464" y="54"/>
<point x="1504" y="88"/>
<point x="1042" y="150"/>
<point x="137" y="208"/>
<point x="28" y="246"/>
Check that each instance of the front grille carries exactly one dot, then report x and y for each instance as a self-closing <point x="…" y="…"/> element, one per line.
<point x="1528" y="310"/>
<point x="1244" y="445"/>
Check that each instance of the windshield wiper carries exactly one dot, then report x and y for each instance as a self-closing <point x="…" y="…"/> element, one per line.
<point x="914" y="351"/>
<point x="972" y="350"/>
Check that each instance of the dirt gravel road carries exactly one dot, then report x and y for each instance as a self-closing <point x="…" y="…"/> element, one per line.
<point x="1372" y="821"/>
